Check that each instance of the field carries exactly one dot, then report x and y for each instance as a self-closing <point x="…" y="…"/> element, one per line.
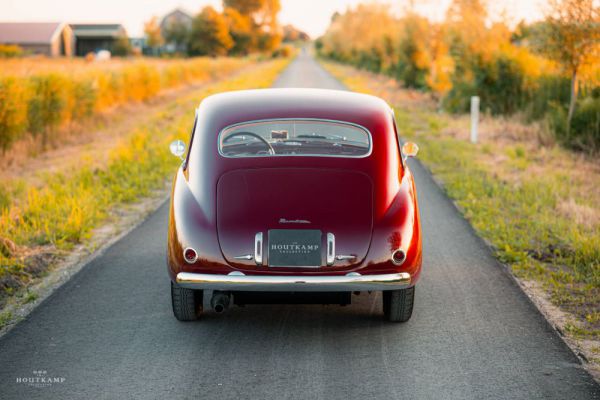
<point x="38" y="98"/>
<point x="46" y="212"/>
<point x="535" y="203"/>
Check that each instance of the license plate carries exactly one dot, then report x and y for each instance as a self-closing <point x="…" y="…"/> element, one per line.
<point x="294" y="248"/>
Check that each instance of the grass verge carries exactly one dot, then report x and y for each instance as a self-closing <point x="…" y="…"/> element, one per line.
<point x="42" y="222"/>
<point x="537" y="205"/>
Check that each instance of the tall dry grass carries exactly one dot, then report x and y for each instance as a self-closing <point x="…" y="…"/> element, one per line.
<point x="39" y="96"/>
<point x="42" y="220"/>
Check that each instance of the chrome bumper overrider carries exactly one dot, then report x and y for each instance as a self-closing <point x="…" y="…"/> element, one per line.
<point x="352" y="281"/>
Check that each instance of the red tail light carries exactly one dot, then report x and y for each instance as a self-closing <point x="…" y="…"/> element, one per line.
<point x="398" y="257"/>
<point x="190" y="255"/>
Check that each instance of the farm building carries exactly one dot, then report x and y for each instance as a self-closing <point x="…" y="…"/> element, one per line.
<point x="90" y="38"/>
<point x="51" y="39"/>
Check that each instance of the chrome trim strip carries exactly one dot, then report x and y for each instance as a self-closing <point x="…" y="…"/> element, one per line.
<point x="333" y="121"/>
<point x="330" y="249"/>
<point x="258" y="248"/>
<point x="237" y="281"/>
<point x="345" y="257"/>
<point x="244" y="257"/>
<point x="293" y="221"/>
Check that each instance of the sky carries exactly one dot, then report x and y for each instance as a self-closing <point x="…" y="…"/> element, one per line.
<point x="312" y="16"/>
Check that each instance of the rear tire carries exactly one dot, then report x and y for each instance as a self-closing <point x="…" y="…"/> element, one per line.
<point x="187" y="303"/>
<point x="398" y="304"/>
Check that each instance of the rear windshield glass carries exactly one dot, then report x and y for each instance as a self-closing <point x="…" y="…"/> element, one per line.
<point x="294" y="138"/>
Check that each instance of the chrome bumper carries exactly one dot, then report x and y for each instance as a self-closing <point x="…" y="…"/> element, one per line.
<point x="237" y="281"/>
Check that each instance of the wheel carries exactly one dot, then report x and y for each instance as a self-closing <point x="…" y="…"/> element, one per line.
<point x="187" y="303"/>
<point x="398" y="304"/>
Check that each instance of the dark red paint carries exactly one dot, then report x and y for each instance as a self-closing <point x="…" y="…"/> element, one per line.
<point x="219" y="203"/>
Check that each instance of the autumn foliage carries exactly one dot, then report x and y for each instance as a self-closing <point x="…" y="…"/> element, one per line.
<point x="469" y="54"/>
<point x="38" y="97"/>
<point x="243" y="27"/>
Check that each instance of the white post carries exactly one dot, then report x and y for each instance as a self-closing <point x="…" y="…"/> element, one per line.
<point x="474" y="118"/>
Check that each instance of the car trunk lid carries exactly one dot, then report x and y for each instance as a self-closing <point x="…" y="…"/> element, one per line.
<point x="294" y="204"/>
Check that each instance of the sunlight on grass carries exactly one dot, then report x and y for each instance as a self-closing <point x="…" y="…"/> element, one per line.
<point x="68" y="206"/>
<point x="39" y="97"/>
<point x="519" y="217"/>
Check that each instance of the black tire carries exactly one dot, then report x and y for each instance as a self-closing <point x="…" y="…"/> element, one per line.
<point x="187" y="303"/>
<point x="398" y="304"/>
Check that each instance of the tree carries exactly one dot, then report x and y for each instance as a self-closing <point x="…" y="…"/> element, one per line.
<point x="413" y="60"/>
<point x="240" y="29"/>
<point x="270" y="32"/>
<point x="247" y="7"/>
<point x="122" y="47"/>
<point x="572" y="38"/>
<point x="263" y="17"/>
<point x="210" y="34"/>
<point x="154" y="38"/>
<point x="441" y="65"/>
<point x="293" y="34"/>
<point x="177" y="33"/>
<point x="468" y="36"/>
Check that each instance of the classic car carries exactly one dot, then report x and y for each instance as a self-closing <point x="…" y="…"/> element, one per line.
<point x="293" y="191"/>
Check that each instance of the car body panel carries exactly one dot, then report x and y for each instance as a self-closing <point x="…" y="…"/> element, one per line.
<point x="196" y="200"/>
<point x="329" y="200"/>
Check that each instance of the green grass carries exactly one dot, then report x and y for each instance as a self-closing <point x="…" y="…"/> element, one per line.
<point x="5" y="318"/>
<point x="30" y="296"/>
<point x="519" y="220"/>
<point x="64" y="210"/>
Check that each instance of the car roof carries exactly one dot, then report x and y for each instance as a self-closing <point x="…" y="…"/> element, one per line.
<point x="225" y="109"/>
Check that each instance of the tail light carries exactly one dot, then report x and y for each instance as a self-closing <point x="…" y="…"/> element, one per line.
<point x="398" y="257"/>
<point x="190" y="255"/>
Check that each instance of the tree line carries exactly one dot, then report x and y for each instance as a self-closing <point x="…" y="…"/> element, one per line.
<point x="548" y="70"/>
<point x="243" y="27"/>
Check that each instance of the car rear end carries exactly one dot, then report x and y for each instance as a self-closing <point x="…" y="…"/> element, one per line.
<point x="299" y="207"/>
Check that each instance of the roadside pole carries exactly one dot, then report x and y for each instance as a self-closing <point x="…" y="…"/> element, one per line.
<point x="474" y="118"/>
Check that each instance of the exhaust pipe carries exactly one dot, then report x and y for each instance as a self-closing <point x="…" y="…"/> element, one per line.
<point x="220" y="301"/>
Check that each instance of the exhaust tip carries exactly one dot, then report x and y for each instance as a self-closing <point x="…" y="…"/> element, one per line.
<point x="220" y="301"/>
<point x="190" y="255"/>
<point x="219" y="308"/>
<point x="398" y="257"/>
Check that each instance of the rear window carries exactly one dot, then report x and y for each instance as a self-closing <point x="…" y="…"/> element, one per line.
<point x="295" y="138"/>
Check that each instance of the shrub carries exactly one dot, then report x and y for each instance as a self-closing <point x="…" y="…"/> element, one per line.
<point x="13" y="111"/>
<point x="40" y="102"/>
<point x="47" y="104"/>
<point x="10" y="50"/>
<point x="549" y="89"/>
<point x="85" y="97"/>
<point x="585" y="126"/>
<point x="283" y="51"/>
<point x="499" y="83"/>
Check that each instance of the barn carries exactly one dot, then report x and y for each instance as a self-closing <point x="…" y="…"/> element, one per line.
<point x="90" y="38"/>
<point x="52" y="39"/>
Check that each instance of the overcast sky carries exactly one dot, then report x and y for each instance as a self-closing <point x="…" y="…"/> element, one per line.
<point x="311" y="16"/>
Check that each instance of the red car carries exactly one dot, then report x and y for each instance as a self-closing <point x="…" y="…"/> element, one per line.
<point x="293" y="192"/>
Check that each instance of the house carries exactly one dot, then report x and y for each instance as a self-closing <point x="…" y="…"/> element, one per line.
<point x="90" y="38"/>
<point x="174" y="27"/>
<point x="51" y="39"/>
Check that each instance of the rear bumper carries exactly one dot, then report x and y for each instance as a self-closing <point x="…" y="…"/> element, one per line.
<point x="237" y="281"/>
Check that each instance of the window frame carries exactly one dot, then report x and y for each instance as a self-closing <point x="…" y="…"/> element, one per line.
<point x="331" y="121"/>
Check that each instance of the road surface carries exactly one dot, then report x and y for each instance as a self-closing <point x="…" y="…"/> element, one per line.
<point x="109" y="332"/>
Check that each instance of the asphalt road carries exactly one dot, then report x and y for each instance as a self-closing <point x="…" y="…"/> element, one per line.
<point x="110" y="333"/>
